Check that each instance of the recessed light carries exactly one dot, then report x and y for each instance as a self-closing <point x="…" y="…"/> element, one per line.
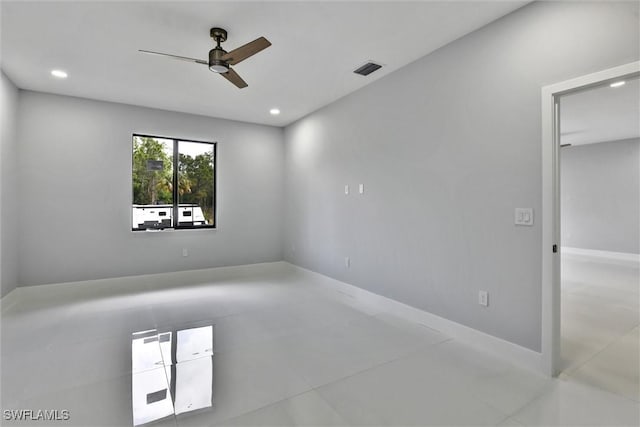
<point x="617" y="84"/>
<point x="274" y="111"/>
<point x="59" y="74"/>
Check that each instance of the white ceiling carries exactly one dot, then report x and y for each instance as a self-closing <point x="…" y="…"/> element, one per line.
<point x="601" y="114"/>
<point x="316" y="46"/>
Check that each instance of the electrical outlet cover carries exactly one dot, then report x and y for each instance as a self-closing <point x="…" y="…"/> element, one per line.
<point x="483" y="298"/>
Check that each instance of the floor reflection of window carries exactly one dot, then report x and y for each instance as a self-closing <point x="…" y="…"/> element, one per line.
<point x="193" y="385"/>
<point x="172" y="372"/>
<point x="151" y="399"/>
<point x="194" y="343"/>
<point x="145" y="352"/>
<point x="164" y="340"/>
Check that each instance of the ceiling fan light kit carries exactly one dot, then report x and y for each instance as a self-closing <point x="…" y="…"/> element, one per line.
<point x="220" y="60"/>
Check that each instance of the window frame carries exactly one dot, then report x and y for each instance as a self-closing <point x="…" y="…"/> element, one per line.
<point x="175" y="189"/>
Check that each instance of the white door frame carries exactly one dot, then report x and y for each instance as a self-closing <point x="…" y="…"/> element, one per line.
<point x="551" y="203"/>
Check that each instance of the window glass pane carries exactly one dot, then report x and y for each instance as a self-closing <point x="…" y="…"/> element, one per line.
<point x="152" y="183"/>
<point x="195" y="184"/>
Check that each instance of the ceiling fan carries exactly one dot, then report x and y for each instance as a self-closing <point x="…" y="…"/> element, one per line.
<point x="220" y="60"/>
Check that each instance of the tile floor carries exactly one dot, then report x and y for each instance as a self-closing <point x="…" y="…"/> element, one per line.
<point x="288" y="352"/>
<point x="601" y="324"/>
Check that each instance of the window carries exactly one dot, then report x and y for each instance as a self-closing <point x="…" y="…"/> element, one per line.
<point x="173" y="183"/>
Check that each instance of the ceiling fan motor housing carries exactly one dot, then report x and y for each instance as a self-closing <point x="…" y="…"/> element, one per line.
<point x="216" y="64"/>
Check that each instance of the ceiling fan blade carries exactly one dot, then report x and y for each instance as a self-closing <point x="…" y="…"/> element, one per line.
<point x="234" y="78"/>
<point x="181" y="58"/>
<point x="249" y="49"/>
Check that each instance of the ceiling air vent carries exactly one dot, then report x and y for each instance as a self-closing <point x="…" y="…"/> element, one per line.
<point x="368" y="68"/>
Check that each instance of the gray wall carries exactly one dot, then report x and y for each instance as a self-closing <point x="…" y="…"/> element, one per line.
<point x="600" y="196"/>
<point x="8" y="159"/>
<point x="447" y="147"/>
<point x="74" y="180"/>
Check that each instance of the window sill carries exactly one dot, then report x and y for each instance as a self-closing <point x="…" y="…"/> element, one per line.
<point x="172" y="230"/>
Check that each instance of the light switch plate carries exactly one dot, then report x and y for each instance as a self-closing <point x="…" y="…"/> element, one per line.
<point x="361" y="188"/>
<point x="346" y="189"/>
<point x="523" y="216"/>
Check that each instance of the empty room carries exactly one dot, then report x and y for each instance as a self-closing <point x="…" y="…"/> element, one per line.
<point x="319" y="213"/>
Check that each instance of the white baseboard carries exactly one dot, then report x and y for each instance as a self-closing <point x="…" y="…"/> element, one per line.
<point x="503" y="349"/>
<point x="10" y="299"/>
<point x="621" y="258"/>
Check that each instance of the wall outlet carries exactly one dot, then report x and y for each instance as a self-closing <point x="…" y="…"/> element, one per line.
<point x="361" y="188"/>
<point x="483" y="298"/>
<point x="346" y="190"/>
<point x="347" y="262"/>
<point x="185" y="252"/>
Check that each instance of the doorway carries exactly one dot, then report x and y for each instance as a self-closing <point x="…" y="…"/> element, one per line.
<point x="599" y="166"/>
<point x="551" y="203"/>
